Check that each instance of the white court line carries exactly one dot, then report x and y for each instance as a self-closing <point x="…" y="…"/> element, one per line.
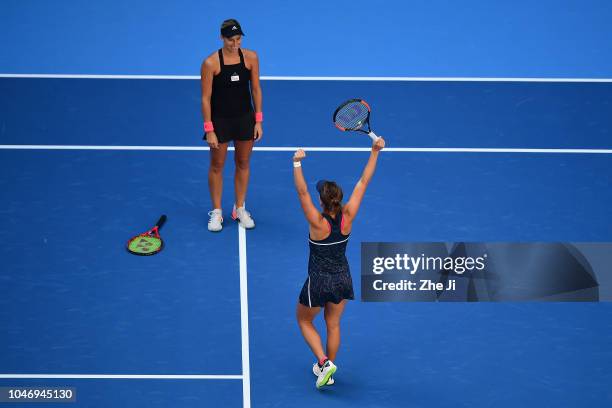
<point x="244" y="319"/>
<point x="431" y="79"/>
<point x="318" y="78"/>
<point x="314" y="149"/>
<point x="123" y="376"/>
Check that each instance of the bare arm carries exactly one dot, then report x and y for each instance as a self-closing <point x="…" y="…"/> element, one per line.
<point x="256" y="93"/>
<point x="255" y="85"/>
<point x="206" y="79"/>
<point x="352" y="206"/>
<point x="313" y="216"/>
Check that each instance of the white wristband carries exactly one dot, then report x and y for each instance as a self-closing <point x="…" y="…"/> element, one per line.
<point x="297" y="164"/>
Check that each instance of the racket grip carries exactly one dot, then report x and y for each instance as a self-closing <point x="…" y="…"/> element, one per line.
<point x="161" y="221"/>
<point x="373" y="136"/>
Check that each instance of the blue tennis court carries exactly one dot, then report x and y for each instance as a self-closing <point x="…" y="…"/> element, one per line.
<point x="498" y="124"/>
<point x="75" y="302"/>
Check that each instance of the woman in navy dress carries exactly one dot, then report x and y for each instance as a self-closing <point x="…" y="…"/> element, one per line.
<point x="329" y="284"/>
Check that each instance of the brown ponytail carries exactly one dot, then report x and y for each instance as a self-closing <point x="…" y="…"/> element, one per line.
<point x="331" y="197"/>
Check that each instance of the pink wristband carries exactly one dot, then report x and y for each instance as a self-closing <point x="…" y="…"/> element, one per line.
<point x="258" y="116"/>
<point x="208" y="127"/>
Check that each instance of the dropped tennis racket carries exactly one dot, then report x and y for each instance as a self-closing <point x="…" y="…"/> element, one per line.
<point x="148" y="243"/>
<point x="354" y="114"/>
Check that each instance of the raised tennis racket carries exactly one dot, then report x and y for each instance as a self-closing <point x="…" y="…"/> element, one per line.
<point x="354" y="114"/>
<point x="148" y="243"/>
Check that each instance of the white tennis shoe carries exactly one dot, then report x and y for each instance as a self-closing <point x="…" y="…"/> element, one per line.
<point x="243" y="216"/>
<point x="325" y="374"/>
<point x="216" y="220"/>
<point x="316" y="371"/>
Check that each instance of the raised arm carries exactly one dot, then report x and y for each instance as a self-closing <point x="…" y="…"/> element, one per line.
<point x="352" y="206"/>
<point x="313" y="216"/>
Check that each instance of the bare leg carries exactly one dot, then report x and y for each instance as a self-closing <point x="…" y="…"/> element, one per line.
<point x="241" y="178"/>
<point x="215" y="174"/>
<point x="332" y="314"/>
<point x="305" y="316"/>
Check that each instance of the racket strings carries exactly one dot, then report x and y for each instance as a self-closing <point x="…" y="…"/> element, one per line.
<point x="145" y="244"/>
<point x="352" y="116"/>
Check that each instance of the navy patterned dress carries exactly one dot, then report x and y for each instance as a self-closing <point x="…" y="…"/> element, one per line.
<point x="329" y="276"/>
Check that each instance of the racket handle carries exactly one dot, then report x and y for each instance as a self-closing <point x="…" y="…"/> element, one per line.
<point x="373" y="136"/>
<point x="161" y="221"/>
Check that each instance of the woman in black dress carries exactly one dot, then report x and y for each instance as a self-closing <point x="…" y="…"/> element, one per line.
<point x="230" y="88"/>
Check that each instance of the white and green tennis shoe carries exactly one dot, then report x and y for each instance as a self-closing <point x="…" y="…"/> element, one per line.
<point x="316" y="371"/>
<point x="325" y="374"/>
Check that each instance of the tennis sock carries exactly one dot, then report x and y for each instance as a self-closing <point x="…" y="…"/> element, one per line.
<point x="322" y="361"/>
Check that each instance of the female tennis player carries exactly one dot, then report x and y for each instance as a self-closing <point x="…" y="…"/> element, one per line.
<point x="329" y="282"/>
<point x="230" y="81"/>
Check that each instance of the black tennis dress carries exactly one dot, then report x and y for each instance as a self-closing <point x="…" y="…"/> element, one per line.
<point x="231" y="108"/>
<point x="329" y="277"/>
